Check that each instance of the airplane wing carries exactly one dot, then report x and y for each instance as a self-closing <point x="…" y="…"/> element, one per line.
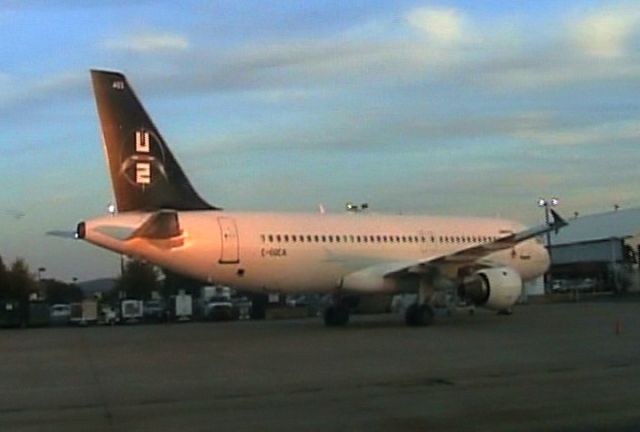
<point x="430" y="265"/>
<point x="477" y="252"/>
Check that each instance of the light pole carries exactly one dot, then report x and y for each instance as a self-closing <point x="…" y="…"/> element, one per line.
<point x="547" y="204"/>
<point x="40" y="286"/>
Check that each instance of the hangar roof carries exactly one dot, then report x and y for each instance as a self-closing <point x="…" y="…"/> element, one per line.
<point x="617" y="224"/>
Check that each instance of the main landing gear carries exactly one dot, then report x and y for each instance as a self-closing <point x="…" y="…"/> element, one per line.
<point x="421" y="313"/>
<point x="418" y="315"/>
<point x="336" y="315"/>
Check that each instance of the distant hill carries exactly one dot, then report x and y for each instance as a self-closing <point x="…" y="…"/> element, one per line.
<point x="93" y="286"/>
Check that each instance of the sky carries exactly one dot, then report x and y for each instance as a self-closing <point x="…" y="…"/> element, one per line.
<point x="415" y="107"/>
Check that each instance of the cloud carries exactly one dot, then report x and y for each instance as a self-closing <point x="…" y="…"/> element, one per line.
<point x="606" y="32"/>
<point x="599" y="134"/>
<point x="51" y="88"/>
<point x="441" y="25"/>
<point x="149" y="42"/>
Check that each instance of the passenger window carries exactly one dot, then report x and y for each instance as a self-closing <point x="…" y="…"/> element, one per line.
<point x="262" y="238"/>
<point x="330" y="239"/>
<point x="286" y="237"/>
<point x="317" y="239"/>
<point x="294" y="238"/>
<point x="278" y="238"/>
<point x="324" y="239"/>
<point x="270" y="238"/>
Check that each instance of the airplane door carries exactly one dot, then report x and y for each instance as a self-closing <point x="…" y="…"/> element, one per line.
<point x="229" y="251"/>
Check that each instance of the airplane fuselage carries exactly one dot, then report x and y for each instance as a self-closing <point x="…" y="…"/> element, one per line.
<point x="297" y="252"/>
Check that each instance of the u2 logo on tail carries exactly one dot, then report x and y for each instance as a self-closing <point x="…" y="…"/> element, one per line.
<point x="143" y="167"/>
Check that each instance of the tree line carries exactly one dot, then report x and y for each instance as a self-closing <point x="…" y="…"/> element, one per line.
<point x="138" y="279"/>
<point x="18" y="283"/>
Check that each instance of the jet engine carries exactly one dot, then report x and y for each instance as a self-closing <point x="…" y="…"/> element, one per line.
<point x="494" y="288"/>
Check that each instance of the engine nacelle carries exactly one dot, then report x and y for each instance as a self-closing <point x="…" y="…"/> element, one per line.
<point x="494" y="288"/>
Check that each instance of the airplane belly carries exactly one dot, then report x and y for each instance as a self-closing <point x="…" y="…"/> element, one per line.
<point x="282" y="271"/>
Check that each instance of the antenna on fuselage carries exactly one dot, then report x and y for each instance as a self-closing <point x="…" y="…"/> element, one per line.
<point x="354" y="208"/>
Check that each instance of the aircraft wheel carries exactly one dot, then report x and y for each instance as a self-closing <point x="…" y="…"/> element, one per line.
<point x="419" y="315"/>
<point x="335" y="316"/>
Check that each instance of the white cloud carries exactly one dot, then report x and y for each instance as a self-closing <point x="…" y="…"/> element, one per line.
<point x="58" y="86"/>
<point x="149" y="42"/>
<point x="442" y="25"/>
<point x="606" y="33"/>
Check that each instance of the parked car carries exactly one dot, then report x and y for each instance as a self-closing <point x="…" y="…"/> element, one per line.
<point x="155" y="311"/>
<point x="219" y="309"/>
<point x="59" y="314"/>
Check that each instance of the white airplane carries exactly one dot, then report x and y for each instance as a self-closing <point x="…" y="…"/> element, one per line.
<point x="161" y="219"/>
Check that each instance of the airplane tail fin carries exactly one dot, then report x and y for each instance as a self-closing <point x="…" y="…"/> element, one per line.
<point x="144" y="174"/>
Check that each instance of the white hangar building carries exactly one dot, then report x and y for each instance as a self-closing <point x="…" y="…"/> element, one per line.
<point x="598" y="252"/>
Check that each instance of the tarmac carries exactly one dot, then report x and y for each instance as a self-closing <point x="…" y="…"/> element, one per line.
<point x="549" y="367"/>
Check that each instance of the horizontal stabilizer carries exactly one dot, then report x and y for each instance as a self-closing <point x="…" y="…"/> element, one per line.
<point x="62" y="234"/>
<point x="161" y="225"/>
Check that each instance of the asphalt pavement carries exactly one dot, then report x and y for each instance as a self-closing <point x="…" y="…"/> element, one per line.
<point x="564" y="367"/>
